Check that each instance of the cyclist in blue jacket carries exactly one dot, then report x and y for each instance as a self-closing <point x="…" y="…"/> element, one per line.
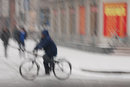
<point x="49" y="47"/>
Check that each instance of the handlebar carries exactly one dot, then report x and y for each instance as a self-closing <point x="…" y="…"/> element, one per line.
<point x="29" y="52"/>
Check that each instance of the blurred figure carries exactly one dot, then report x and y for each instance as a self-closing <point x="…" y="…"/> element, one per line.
<point x="22" y="37"/>
<point x="5" y="35"/>
<point x="16" y="34"/>
<point x="50" y="50"/>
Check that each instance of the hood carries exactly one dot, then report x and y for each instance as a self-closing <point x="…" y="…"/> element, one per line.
<point x="45" y="33"/>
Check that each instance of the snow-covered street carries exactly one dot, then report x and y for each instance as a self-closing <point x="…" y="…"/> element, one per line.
<point x="9" y="69"/>
<point x="88" y="60"/>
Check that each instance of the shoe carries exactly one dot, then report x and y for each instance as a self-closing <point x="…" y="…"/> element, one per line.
<point x="47" y="73"/>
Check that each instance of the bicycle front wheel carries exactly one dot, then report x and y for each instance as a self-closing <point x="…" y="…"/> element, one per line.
<point x="62" y="69"/>
<point x="29" y="69"/>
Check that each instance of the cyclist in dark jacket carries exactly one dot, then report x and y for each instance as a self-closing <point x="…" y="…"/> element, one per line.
<point x="50" y="49"/>
<point x="5" y="35"/>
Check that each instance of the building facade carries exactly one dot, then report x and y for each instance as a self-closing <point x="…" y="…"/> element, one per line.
<point x="91" y="22"/>
<point x="100" y="23"/>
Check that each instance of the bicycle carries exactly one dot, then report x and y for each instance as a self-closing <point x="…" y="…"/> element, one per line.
<point x="116" y="40"/>
<point x="31" y="71"/>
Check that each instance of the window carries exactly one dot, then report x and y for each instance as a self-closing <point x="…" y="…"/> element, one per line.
<point x="63" y="20"/>
<point x="45" y="17"/>
<point x="72" y="20"/>
<point x="93" y="18"/>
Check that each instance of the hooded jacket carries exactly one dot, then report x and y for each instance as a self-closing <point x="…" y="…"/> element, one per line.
<point x="47" y="44"/>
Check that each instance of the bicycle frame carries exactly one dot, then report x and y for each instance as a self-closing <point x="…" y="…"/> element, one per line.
<point x="39" y="56"/>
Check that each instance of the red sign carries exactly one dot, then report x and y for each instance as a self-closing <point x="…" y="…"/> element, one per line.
<point x="115" y="19"/>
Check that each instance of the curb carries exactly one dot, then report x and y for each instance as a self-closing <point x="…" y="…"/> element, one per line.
<point x="105" y="72"/>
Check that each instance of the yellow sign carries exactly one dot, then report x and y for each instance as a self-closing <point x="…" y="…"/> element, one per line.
<point x="115" y="10"/>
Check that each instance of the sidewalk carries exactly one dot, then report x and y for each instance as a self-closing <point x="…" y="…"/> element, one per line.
<point x="86" y="61"/>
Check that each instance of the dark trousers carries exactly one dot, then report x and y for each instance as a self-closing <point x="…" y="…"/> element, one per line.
<point x="21" y="46"/>
<point x="21" y="49"/>
<point x="5" y="49"/>
<point x="48" y="64"/>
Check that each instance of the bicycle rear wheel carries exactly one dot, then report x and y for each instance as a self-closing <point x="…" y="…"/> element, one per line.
<point x="29" y="69"/>
<point x="62" y="69"/>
